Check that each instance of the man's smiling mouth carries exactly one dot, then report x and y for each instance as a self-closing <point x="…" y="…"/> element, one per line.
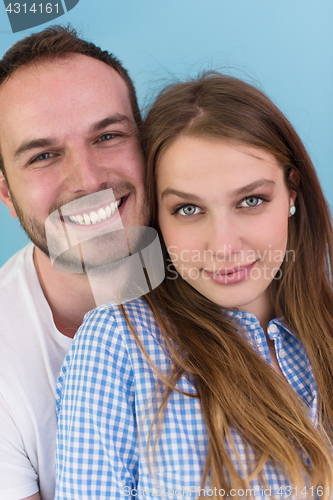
<point x="94" y="217"/>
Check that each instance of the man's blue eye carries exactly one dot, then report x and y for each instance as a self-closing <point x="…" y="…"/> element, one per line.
<point x="106" y="137"/>
<point x="43" y="156"/>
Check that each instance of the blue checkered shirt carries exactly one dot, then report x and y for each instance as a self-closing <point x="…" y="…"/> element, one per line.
<point x="105" y="409"/>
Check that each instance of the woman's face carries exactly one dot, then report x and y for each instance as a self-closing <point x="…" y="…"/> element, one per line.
<point x="223" y="212"/>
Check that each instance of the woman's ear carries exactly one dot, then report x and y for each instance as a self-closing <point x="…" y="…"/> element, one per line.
<point x="5" y="195"/>
<point x="292" y="197"/>
<point x="294" y="178"/>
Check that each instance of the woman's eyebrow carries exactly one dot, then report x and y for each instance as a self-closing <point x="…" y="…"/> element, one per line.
<point x="170" y="191"/>
<point x="237" y="192"/>
<point x="252" y="187"/>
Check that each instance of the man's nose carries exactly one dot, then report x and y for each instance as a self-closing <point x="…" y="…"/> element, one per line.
<point x="81" y="172"/>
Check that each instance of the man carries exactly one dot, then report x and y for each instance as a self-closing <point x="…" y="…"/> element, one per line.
<point x="69" y="127"/>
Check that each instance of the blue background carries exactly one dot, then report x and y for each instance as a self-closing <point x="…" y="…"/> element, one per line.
<point x="284" y="46"/>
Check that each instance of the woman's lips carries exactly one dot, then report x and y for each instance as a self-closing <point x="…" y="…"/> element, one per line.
<point x="231" y="275"/>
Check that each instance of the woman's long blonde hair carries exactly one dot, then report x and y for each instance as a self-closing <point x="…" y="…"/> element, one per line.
<point x="236" y="387"/>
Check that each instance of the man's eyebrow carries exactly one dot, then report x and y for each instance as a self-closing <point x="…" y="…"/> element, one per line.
<point x="238" y="192"/>
<point x="34" y="143"/>
<point x="97" y="127"/>
<point x="111" y="120"/>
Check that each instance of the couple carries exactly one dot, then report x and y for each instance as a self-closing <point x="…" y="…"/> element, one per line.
<point x="218" y="382"/>
<point x="219" y="378"/>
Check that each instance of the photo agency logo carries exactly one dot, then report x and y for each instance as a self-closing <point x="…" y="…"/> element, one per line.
<point x="87" y="236"/>
<point x="28" y="14"/>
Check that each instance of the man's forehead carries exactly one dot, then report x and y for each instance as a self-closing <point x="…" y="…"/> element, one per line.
<point x="67" y="64"/>
<point x="75" y="74"/>
<point x="77" y="91"/>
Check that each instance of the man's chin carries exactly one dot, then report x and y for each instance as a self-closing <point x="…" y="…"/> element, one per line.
<point x="90" y="255"/>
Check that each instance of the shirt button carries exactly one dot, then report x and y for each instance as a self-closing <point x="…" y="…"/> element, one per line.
<point x="282" y="353"/>
<point x="273" y="328"/>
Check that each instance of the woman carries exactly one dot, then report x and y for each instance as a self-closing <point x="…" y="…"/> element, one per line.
<point x="219" y="382"/>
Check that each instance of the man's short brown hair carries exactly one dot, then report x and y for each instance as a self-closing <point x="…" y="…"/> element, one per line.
<point x="60" y="41"/>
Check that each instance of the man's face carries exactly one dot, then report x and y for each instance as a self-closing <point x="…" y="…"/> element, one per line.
<point x="66" y="131"/>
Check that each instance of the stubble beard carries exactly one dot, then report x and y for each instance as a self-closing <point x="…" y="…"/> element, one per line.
<point x="33" y="228"/>
<point x="36" y="232"/>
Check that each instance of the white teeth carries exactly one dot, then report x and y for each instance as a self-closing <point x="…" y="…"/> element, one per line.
<point x="95" y="217"/>
<point x="101" y="214"/>
<point x="86" y="219"/>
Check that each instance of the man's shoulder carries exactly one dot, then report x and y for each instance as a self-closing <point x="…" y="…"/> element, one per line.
<point x="16" y="266"/>
<point x="21" y="297"/>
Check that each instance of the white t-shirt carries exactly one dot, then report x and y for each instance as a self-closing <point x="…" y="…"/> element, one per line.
<point x="31" y="353"/>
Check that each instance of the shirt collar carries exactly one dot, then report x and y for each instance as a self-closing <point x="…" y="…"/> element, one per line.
<point x="249" y="321"/>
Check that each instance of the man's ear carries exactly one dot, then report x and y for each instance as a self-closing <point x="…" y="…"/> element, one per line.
<point x="5" y="195"/>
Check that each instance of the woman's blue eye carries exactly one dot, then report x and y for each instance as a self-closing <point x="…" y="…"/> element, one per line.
<point x="188" y="210"/>
<point x="251" y="201"/>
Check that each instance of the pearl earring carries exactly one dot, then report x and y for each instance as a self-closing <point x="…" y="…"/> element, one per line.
<point x="292" y="210"/>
